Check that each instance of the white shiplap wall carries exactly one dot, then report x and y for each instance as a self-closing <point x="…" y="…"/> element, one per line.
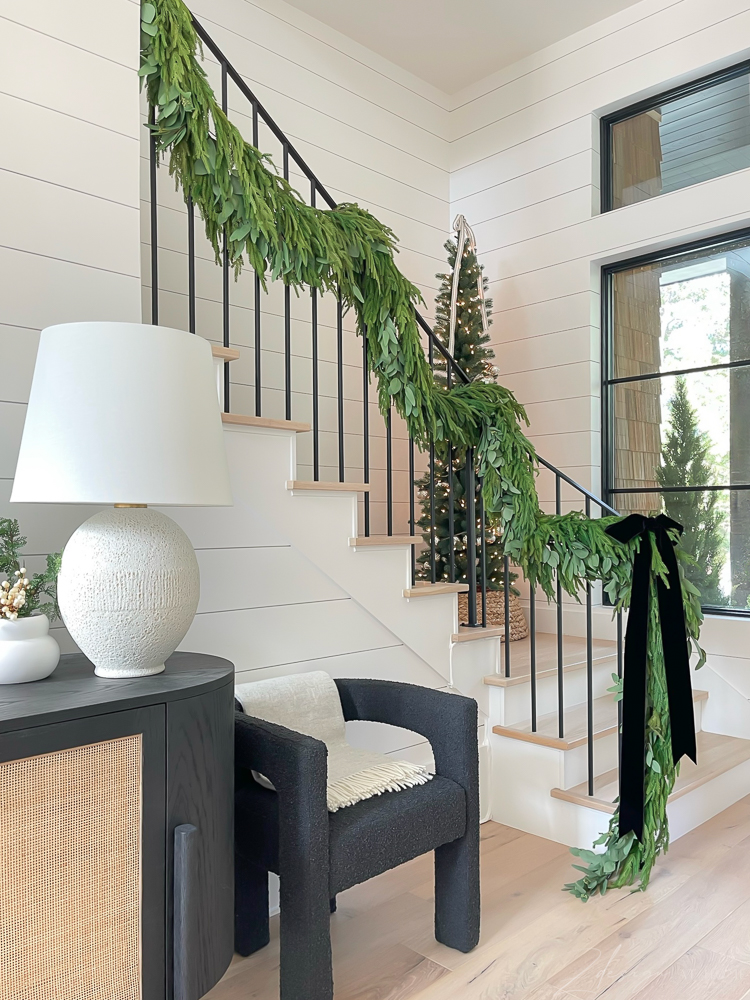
<point x="70" y="202"/>
<point x="525" y="172"/>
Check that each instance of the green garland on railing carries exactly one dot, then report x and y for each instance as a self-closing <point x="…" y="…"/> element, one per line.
<point x="350" y="253"/>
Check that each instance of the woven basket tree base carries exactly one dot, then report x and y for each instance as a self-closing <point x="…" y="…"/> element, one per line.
<point x="496" y="612"/>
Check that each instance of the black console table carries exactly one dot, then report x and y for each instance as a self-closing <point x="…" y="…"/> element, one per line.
<point x="116" y="832"/>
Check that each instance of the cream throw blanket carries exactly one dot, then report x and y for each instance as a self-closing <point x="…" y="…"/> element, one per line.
<point x="310" y="704"/>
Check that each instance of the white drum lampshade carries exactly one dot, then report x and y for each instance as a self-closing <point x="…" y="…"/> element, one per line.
<point x="127" y="415"/>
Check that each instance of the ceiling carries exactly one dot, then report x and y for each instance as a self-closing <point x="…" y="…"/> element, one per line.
<point x="452" y="43"/>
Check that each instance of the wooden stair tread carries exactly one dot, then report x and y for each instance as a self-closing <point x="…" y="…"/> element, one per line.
<point x="467" y="634"/>
<point x="574" y="656"/>
<point x="225" y="353"/>
<point x="716" y="755"/>
<point x="432" y="589"/>
<point x="574" y="725"/>
<point x="323" y="487"/>
<point x="245" y="420"/>
<point x="368" y="541"/>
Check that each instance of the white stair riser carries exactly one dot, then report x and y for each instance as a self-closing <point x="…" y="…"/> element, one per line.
<point x="320" y="525"/>
<point x="511" y="705"/>
<point x="523" y="775"/>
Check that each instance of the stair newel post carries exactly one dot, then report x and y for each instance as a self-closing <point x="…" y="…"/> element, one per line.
<point x="471" y="537"/>
<point x="366" y="428"/>
<point x="560" y="651"/>
<point x="589" y="679"/>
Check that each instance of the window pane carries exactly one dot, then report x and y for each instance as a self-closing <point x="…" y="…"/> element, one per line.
<point x="683" y="430"/>
<point x="688" y="312"/>
<point x="717" y="535"/>
<point x="681" y="142"/>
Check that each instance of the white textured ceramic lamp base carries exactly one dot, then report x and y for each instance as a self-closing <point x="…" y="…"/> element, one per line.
<point x="128" y="590"/>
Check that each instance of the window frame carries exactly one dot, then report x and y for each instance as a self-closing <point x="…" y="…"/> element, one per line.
<point x="607" y="382"/>
<point x="607" y="121"/>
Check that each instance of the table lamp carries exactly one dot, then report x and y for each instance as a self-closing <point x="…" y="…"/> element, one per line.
<point x="126" y="415"/>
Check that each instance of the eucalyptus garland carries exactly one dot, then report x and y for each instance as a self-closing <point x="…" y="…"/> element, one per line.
<point x="348" y="252"/>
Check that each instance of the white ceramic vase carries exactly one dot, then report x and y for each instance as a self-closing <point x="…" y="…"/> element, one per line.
<point x="128" y="590"/>
<point x="27" y="650"/>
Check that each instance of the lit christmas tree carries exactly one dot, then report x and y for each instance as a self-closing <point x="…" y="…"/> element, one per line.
<point x="476" y="359"/>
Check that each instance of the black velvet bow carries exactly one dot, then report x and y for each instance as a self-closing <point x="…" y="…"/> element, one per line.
<point x="676" y="662"/>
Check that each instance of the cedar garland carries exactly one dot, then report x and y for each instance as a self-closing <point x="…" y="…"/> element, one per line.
<point x="348" y="252"/>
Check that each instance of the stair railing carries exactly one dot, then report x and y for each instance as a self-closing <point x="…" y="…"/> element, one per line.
<point x="475" y="517"/>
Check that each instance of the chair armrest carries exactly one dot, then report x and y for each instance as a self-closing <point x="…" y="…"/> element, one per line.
<point x="447" y="721"/>
<point x="290" y="760"/>
<point x="298" y="767"/>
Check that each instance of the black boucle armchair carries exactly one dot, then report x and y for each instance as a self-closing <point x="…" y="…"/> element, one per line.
<point x="317" y="854"/>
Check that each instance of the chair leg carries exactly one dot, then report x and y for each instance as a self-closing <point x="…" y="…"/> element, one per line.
<point x="250" y="906"/>
<point x="306" y="970"/>
<point x="457" y="900"/>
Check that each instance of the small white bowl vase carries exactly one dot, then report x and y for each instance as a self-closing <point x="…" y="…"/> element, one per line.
<point x="27" y="650"/>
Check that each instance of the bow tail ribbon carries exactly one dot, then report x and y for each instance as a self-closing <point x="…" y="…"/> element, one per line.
<point x="676" y="662"/>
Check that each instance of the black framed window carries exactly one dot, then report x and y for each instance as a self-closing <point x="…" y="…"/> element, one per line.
<point x="687" y="135"/>
<point x="676" y="403"/>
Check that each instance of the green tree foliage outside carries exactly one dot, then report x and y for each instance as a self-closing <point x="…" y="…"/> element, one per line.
<point x="687" y="460"/>
<point x="476" y="359"/>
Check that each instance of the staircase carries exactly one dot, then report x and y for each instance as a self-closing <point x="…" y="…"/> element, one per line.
<point x="318" y="473"/>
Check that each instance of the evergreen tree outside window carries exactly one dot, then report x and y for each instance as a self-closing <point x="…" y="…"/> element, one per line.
<point x="676" y="404"/>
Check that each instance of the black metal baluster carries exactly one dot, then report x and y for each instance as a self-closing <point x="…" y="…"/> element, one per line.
<point x="483" y="553"/>
<point x="433" y="550"/>
<point x="287" y="319"/>
<point x="619" y="677"/>
<point x="433" y="544"/>
<point x="153" y="194"/>
<point x="256" y="302"/>
<point x="366" y="427"/>
<point x="412" y="521"/>
<point x="532" y="653"/>
<point x="560" y="650"/>
<point x="451" y="517"/>
<point x="506" y="612"/>
<point x="340" y="383"/>
<point x="225" y="262"/>
<point x="389" y="471"/>
<point x="471" y="537"/>
<point x="589" y="679"/>
<point x="315" y="386"/>
<point x="191" y="264"/>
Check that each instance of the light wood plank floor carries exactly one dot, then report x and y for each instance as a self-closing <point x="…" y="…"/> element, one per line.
<point x="686" y="938"/>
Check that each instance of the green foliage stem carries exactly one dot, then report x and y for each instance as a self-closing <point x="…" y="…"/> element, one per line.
<point x="348" y="252"/>
<point x="41" y="585"/>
